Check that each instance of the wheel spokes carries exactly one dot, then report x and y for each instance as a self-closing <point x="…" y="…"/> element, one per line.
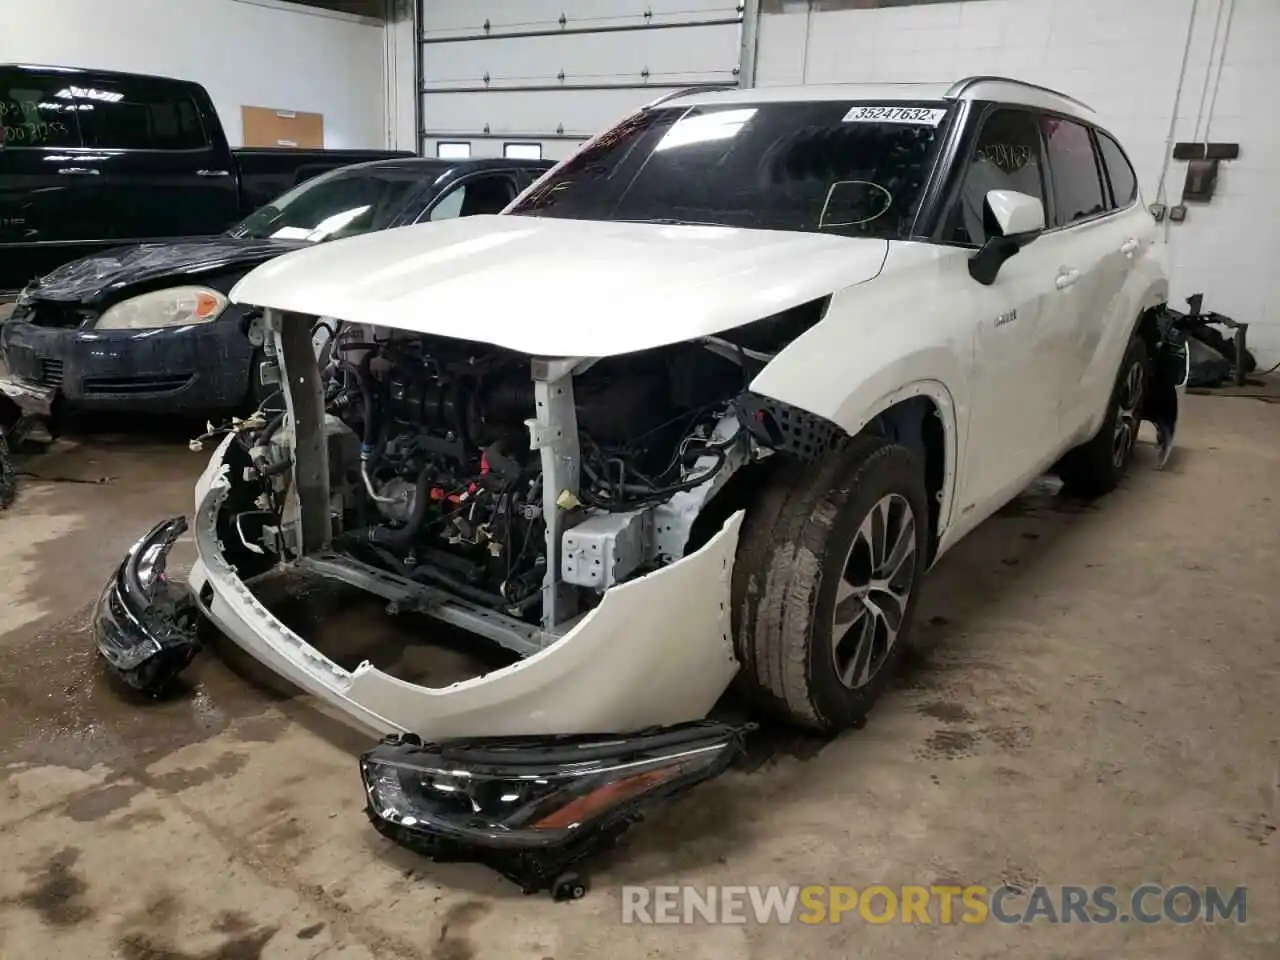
<point x="873" y="592"/>
<point x="857" y="667"/>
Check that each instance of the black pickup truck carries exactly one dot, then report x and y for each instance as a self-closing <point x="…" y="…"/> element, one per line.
<point x="91" y="159"/>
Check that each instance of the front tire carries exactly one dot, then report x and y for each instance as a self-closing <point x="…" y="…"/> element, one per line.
<point x="1096" y="467"/>
<point x="826" y="580"/>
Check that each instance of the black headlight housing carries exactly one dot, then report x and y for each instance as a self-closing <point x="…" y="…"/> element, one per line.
<point x="530" y="806"/>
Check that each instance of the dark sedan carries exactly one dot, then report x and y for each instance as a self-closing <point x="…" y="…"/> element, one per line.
<point x="150" y="328"/>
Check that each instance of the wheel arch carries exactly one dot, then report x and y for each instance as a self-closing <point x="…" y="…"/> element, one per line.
<point x="920" y="415"/>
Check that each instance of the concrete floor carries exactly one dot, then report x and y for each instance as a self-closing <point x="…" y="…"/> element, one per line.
<point x="1096" y="703"/>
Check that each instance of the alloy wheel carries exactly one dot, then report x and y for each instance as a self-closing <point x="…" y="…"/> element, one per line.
<point x="1125" y="433"/>
<point x="875" y="586"/>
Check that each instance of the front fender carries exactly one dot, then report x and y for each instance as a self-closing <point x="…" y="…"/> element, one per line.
<point x="880" y="344"/>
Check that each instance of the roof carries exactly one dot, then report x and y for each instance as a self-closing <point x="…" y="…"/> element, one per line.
<point x="429" y="165"/>
<point x="82" y="71"/>
<point x="1000" y="89"/>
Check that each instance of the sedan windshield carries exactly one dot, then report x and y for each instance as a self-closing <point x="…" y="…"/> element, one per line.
<point x="340" y="203"/>
<point x="855" y="169"/>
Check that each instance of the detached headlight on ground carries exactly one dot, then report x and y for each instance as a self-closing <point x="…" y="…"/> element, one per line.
<point x="531" y="806"/>
<point x="174" y="307"/>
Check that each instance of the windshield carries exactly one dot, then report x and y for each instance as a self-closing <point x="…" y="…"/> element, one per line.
<point x="855" y="169"/>
<point x="340" y="203"/>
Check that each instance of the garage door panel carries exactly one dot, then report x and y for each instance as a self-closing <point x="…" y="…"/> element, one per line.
<point x="442" y="19"/>
<point x="494" y="146"/>
<point x="688" y="55"/>
<point x="526" y="81"/>
<point x="530" y="112"/>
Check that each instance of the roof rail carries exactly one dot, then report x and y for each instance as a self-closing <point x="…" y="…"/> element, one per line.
<point x="960" y="86"/>
<point x="685" y="91"/>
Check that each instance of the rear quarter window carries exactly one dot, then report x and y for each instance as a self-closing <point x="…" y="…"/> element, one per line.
<point x="1077" y="182"/>
<point x="1124" y="182"/>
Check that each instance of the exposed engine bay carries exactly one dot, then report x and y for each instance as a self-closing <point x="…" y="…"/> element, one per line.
<point x="438" y="453"/>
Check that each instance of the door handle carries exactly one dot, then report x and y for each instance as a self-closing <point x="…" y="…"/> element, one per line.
<point x="78" y="171"/>
<point x="1129" y="247"/>
<point x="213" y="173"/>
<point x="1067" y="278"/>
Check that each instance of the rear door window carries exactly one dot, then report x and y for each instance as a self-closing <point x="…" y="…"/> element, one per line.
<point x="1124" y="182"/>
<point x="140" y="116"/>
<point x="37" y="111"/>
<point x="1077" y="182"/>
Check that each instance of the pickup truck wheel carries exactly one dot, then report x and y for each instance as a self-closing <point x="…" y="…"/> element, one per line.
<point x="825" y="583"/>
<point x="1094" y="468"/>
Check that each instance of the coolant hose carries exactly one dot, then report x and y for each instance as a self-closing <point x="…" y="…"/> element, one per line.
<point x="385" y="536"/>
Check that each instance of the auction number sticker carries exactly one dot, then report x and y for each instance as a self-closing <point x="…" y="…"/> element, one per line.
<point x="927" y="116"/>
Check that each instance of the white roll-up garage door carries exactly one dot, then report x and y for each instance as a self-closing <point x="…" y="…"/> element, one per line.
<point x="535" y="78"/>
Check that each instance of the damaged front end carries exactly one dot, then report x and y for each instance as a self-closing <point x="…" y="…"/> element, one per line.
<point x="145" y="625"/>
<point x="531" y="807"/>
<point x="553" y="507"/>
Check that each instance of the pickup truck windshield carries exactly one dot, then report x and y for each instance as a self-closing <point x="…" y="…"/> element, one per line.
<point x="849" y="168"/>
<point x="341" y="203"/>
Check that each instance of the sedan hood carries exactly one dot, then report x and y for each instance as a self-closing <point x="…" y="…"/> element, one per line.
<point x="112" y="270"/>
<point x="554" y="287"/>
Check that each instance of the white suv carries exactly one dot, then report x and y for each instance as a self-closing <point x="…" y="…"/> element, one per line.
<point x="705" y="402"/>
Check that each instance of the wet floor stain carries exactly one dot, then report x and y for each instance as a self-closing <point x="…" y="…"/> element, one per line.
<point x="59" y="706"/>
<point x="283" y="833"/>
<point x="228" y="764"/>
<point x="101" y="802"/>
<point x="162" y="908"/>
<point x="232" y="921"/>
<point x="145" y="946"/>
<point x="949" y="745"/>
<point x="56" y="891"/>
<point x="137" y="818"/>
<point x="264" y="729"/>
<point x="1012" y="739"/>
<point x="455" y="941"/>
<point x="946" y="712"/>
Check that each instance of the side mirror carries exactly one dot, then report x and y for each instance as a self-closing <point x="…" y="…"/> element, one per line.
<point x="1012" y="220"/>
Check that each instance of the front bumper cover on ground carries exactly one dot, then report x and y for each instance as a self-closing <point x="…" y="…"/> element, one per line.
<point x="145" y="625"/>
<point x="531" y="807"/>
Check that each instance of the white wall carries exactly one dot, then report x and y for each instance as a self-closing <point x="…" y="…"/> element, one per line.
<point x="1124" y="58"/>
<point x="255" y="52"/>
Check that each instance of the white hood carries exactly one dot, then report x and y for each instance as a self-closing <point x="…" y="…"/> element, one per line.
<point x="554" y="287"/>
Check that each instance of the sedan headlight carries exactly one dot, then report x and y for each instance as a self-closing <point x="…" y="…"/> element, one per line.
<point x="174" y="307"/>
